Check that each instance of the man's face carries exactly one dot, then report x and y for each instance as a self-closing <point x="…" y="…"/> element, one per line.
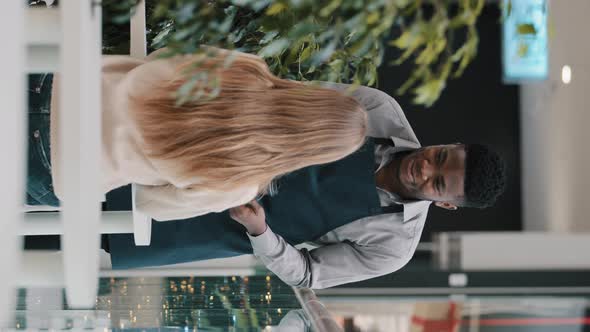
<point x="433" y="173"/>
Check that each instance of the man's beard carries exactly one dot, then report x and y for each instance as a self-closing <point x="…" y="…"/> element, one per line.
<point x="401" y="189"/>
<point x="397" y="162"/>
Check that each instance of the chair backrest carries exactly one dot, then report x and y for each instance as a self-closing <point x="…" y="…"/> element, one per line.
<point x="12" y="141"/>
<point x="67" y="40"/>
<point x="142" y="224"/>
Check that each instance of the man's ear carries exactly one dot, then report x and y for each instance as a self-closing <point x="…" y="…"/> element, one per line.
<point x="446" y="205"/>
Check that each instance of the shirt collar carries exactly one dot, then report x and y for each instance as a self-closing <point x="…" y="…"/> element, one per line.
<point x="384" y="154"/>
<point x="414" y="208"/>
<point x="411" y="207"/>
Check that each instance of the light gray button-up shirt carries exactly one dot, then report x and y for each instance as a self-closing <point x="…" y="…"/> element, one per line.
<point x="365" y="248"/>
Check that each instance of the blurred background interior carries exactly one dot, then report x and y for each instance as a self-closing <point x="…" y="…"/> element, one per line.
<point x="523" y="265"/>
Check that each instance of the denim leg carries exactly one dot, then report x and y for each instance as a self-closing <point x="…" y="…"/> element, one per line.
<point x="31" y="201"/>
<point x="39" y="181"/>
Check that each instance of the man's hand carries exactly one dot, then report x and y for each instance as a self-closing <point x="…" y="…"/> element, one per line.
<point x="251" y="216"/>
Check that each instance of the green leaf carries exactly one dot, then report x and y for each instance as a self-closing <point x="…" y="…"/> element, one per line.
<point x="268" y="37"/>
<point x="430" y="53"/>
<point x="372" y="75"/>
<point x="306" y="53"/>
<point x="294" y="50"/>
<point x="185" y="12"/>
<point x="412" y="80"/>
<point x="185" y="92"/>
<point x="183" y="34"/>
<point x="324" y="53"/>
<point x="429" y="92"/>
<point x="335" y="70"/>
<point x="276" y="8"/>
<point x="336" y="64"/>
<point x="467" y="52"/>
<point x="274" y="48"/>
<point x="411" y="38"/>
<point x="304" y="29"/>
<point x="361" y="46"/>
<point x="161" y="36"/>
<point x="373" y="18"/>
<point x="330" y="8"/>
<point x="402" y="3"/>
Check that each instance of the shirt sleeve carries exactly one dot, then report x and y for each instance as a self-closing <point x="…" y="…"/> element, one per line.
<point x="167" y="202"/>
<point x="294" y="321"/>
<point x="327" y="266"/>
<point x="385" y="115"/>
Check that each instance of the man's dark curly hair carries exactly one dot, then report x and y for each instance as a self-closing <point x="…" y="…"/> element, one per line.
<point x="485" y="176"/>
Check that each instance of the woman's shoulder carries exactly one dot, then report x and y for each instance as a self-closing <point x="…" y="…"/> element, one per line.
<point x="120" y="63"/>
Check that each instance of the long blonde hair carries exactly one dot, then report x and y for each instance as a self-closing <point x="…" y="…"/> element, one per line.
<point x="258" y="128"/>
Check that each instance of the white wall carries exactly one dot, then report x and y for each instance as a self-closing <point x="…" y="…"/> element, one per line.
<point x="555" y="120"/>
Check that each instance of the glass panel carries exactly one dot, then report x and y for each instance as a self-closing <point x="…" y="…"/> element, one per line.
<point x="264" y="303"/>
<point x="190" y="304"/>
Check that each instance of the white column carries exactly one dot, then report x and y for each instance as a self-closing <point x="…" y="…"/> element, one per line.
<point x="13" y="147"/>
<point x="49" y="223"/>
<point x="80" y="128"/>
<point x="137" y="44"/>
<point x="142" y="224"/>
<point x="42" y="269"/>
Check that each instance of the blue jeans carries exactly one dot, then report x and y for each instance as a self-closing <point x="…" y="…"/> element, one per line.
<point x="39" y="181"/>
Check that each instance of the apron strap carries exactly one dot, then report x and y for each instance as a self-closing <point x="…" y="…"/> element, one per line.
<point x="394" y="208"/>
<point x="384" y="141"/>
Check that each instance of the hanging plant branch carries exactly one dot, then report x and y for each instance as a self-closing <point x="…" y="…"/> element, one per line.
<point x="337" y="40"/>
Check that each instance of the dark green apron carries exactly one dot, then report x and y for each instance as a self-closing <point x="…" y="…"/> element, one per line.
<point x="310" y="203"/>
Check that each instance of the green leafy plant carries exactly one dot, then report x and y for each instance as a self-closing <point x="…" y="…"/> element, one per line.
<point x="336" y="40"/>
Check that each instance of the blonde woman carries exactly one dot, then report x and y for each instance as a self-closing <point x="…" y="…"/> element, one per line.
<point x="201" y="156"/>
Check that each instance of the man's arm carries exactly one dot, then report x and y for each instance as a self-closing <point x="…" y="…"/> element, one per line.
<point x="294" y="321"/>
<point x="323" y="267"/>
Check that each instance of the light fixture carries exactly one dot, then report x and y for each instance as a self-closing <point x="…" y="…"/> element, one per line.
<point x="566" y="74"/>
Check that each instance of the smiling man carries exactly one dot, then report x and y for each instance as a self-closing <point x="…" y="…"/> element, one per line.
<point x="364" y="214"/>
<point x="438" y="174"/>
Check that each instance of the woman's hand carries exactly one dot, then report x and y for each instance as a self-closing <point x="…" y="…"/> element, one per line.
<point x="251" y="216"/>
